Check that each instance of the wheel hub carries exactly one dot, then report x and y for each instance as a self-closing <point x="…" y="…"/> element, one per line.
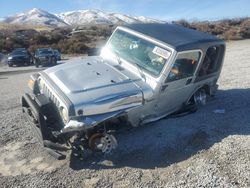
<point x="102" y="142"/>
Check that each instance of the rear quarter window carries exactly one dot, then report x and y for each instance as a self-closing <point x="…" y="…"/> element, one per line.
<point x="212" y="60"/>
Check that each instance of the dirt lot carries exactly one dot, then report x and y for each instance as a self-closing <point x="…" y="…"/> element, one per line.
<point x="204" y="149"/>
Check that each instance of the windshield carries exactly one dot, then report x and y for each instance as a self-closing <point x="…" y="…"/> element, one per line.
<point x="45" y="52"/>
<point x="19" y="52"/>
<point x="138" y="51"/>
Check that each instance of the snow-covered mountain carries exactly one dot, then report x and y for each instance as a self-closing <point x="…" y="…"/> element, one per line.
<point x="73" y="18"/>
<point x="83" y="17"/>
<point x="35" y="17"/>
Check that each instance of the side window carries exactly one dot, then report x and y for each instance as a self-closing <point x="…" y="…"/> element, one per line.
<point x="210" y="63"/>
<point x="184" y="66"/>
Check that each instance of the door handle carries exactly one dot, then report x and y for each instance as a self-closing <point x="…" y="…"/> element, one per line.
<point x="189" y="81"/>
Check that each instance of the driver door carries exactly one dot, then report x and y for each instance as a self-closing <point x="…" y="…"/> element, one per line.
<point x="178" y="85"/>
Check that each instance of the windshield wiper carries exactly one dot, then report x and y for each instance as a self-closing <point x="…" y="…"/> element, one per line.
<point x="140" y="70"/>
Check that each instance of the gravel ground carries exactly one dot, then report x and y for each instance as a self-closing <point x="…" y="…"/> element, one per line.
<point x="204" y="149"/>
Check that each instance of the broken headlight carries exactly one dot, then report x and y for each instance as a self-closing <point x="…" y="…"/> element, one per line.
<point x="32" y="83"/>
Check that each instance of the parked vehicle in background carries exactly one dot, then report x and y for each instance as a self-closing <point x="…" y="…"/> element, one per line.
<point x="44" y="56"/>
<point x="57" y="54"/>
<point x="19" y="56"/>
<point x="3" y="59"/>
<point x="144" y="73"/>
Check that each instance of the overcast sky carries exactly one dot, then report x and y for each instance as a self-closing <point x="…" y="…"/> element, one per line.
<point x="159" y="9"/>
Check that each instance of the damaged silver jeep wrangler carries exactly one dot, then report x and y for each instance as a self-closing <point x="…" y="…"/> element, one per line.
<point x="145" y="72"/>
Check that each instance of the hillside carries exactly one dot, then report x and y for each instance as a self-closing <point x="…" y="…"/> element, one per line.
<point x="74" y="18"/>
<point x="228" y="29"/>
<point x="35" y="17"/>
<point x="91" y="36"/>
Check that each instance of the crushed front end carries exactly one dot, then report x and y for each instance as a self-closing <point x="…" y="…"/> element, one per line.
<point x="62" y="124"/>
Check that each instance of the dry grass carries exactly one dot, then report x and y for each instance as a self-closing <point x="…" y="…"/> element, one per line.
<point x="228" y="29"/>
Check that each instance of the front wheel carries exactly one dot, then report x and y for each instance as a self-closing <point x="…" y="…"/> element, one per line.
<point x="27" y="63"/>
<point x="54" y="61"/>
<point x="37" y="63"/>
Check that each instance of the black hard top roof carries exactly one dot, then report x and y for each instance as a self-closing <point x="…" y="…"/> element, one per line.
<point x="180" y="38"/>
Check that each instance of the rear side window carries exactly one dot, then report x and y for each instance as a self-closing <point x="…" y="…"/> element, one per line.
<point x="184" y="66"/>
<point x="212" y="60"/>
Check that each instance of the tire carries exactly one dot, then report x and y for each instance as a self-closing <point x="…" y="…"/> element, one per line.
<point x="200" y="97"/>
<point x="27" y="63"/>
<point x="31" y="61"/>
<point x="54" y="61"/>
<point x="10" y="64"/>
<point x="36" y="63"/>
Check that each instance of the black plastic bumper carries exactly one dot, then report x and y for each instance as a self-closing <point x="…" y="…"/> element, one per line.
<point x="18" y="62"/>
<point x="36" y="117"/>
<point x="34" y="111"/>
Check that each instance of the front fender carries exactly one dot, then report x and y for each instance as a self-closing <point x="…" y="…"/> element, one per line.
<point x="83" y="123"/>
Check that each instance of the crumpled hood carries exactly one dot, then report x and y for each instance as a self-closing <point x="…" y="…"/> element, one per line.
<point x="92" y="83"/>
<point x="85" y="74"/>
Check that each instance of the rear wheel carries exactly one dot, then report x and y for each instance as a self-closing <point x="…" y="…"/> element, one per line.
<point x="200" y="97"/>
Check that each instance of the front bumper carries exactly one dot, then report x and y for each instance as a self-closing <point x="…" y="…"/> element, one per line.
<point x="44" y="122"/>
<point x="34" y="112"/>
<point x="18" y="61"/>
<point x="36" y="117"/>
<point x="46" y="60"/>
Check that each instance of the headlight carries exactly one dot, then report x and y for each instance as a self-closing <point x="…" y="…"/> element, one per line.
<point x="64" y="115"/>
<point x="40" y="84"/>
<point x="31" y="84"/>
<point x="9" y="58"/>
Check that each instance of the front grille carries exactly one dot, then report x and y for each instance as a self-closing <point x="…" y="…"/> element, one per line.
<point x="51" y="96"/>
